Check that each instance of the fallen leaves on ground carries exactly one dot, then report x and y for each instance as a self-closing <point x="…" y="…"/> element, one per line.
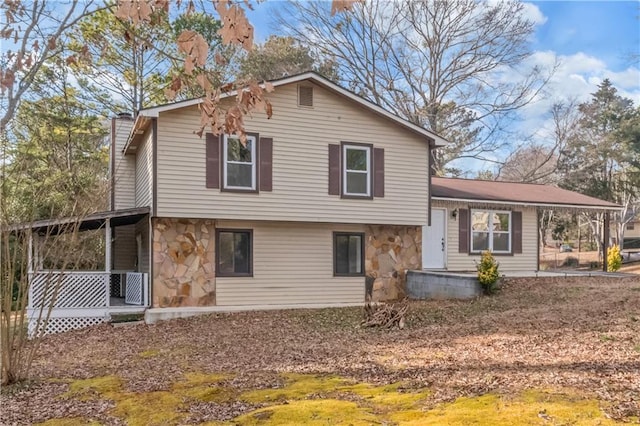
<point x="577" y="333"/>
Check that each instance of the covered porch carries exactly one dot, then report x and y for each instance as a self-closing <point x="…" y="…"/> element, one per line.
<point x="62" y="300"/>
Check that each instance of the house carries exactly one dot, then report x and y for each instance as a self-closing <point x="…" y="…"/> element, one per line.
<point x="632" y="234"/>
<point x="323" y="206"/>
<point x="469" y="216"/>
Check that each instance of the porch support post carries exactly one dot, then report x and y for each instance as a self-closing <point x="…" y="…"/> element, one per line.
<point x="605" y="243"/>
<point x="107" y="245"/>
<point x="107" y="259"/>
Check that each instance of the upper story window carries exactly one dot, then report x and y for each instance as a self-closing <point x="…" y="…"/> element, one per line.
<point x="356" y="170"/>
<point x="491" y="230"/>
<point x="239" y="170"/>
<point x="630" y="226"/>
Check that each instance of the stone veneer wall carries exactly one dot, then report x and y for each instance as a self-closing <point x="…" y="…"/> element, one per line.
<point x="389" y="252"/>
<point x="183" y="262"/>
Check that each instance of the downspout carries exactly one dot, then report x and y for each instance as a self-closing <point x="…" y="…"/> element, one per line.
<point x="154" y="201"/>
<point x="430" y="173"/>
<point x="112" y="164"/>
<point x="539" y="237"/>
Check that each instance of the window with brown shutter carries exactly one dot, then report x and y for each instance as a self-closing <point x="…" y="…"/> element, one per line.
<point x="240" y="163"/>
<point x="378" y="172"/>
<point x="463" y="231"/>
<point x="356" y="174"/>
<point x="212" y="154"/>
<point x="499" y="231"/>
<point x="356" y="170"/>
<point x="491" y="230"/>
<point x="266" y="164"/>
<point x="516" y="222"/>
<point x="237" y="167"/>
<point x="334" y="169"/>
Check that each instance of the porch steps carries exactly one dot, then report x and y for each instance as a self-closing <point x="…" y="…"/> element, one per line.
<point x="126" y="318"/>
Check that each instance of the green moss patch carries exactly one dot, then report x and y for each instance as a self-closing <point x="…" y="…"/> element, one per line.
<point x="71" y="421"/>
<point x="300" y="386"/>
<point x="529" y="408"/>
<point x="152" y="408"/>
<point x="310" y="412"/>
<point x="329" y="400"/>
<point x="149" y="353"/>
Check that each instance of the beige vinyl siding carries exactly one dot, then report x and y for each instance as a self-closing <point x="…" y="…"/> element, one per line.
<point x="124" y="248"/>
<point x="144" y="170"/>
<point x="292" y="264"/>
<point x="300" y="165"/>
<point x="633" y="233"/>
<point x="142" y="229"/>
<point x="526" y="261"/>
<point x="124" y="168"/>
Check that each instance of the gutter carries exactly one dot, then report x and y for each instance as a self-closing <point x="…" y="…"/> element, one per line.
<point x="528" y="204"/>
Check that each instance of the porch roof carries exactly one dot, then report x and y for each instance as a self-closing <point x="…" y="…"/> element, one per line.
<point x="93" y="221"/>
<point x="528" y="194"/>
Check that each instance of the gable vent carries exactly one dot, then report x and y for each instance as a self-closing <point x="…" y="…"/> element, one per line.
<point x="305" y="96"/>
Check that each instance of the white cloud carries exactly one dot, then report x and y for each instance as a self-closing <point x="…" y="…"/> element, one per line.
<point x="530" y="11"/>
<point x="576" y="77"/>
<point x="533" y="13"/>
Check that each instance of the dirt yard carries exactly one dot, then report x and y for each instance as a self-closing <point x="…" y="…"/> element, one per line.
<point x="547" y="351"/>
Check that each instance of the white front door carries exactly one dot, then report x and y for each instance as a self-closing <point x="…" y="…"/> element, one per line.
<point x="433" y="241"/>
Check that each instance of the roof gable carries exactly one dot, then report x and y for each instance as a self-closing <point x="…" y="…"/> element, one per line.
<point x="429" y="136"/>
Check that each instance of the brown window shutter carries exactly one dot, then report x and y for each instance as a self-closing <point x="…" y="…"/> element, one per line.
<point x="463" y="231"/>
<point x="378" y="172"/>
<point x="334" y="169"/>
<point x="212" y="161"/>
<point x="266" y="164"/>
<point x="516" y="223"/>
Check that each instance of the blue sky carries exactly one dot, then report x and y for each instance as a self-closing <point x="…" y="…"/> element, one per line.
<point x="608" y="30"/>
<point x="591" y="40"/>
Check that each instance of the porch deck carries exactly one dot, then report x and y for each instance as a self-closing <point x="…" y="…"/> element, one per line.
<point x="83" y="298"/>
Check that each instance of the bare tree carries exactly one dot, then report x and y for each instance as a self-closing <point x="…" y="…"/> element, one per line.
<point x="537" y="162"/>
<point x="450" y="66"/>
<point x="34" y="28"/>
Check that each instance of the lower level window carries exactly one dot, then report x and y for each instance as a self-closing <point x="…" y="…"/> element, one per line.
<point x="491" y="230"/>
<point x="348" y="251"/>
<point x="234" y="252"/>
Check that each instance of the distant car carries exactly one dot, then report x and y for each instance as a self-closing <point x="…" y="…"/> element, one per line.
<point x="565" y="248"/>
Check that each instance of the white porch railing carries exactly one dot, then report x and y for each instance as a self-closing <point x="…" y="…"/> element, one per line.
<point x="70" y="289"/>
<point x="77" y="299"/>
<point x="136" y="292"/>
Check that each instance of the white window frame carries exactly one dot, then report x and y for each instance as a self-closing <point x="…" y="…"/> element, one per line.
<point x="491" y="231"/>
<point x="253" y="163"/>
<point x="366" y="149"/>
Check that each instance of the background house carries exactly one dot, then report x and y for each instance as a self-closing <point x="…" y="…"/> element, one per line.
<point x="632" y="234"/>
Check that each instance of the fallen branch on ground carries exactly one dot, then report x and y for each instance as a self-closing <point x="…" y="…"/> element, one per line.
<point x="385" y="315"/>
